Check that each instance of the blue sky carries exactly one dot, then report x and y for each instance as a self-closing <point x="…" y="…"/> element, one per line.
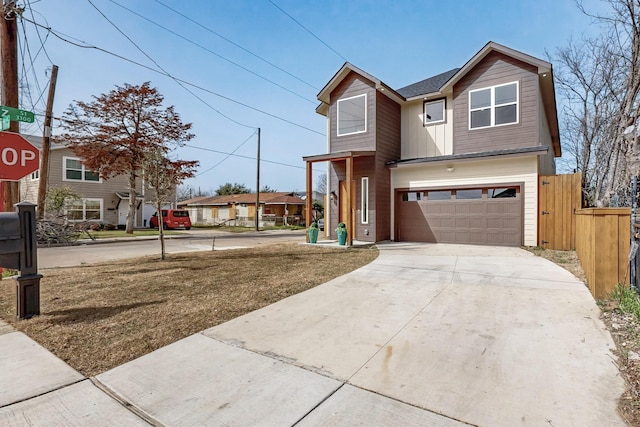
<point x="399" y="42"/>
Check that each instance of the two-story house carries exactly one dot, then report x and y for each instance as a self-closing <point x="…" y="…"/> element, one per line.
<point x="454" y="158"/>
<point x="101" y="201"/>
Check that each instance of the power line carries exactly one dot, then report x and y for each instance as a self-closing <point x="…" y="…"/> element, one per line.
<point x="308" y="30"/>
<point x="165" y="71"/>
<point x="214" y="53"/>
<point x="249" y="157"/>
<point x="228" y="155"/>
<point x="66" y="38"/>
<point x="236" y="45"/>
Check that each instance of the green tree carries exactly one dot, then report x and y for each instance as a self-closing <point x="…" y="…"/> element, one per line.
<point x="267" y="189"/>
<point x="234" y="188"/>
<point x="59" y="199"/>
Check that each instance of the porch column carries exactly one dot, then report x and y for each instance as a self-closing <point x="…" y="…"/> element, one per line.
<point x="350" y="217"/>
<point x="308" y="201"/>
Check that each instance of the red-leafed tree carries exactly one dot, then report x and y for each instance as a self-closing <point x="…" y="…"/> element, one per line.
<point x="164" y="175"/>
<point x="115" y="132"/>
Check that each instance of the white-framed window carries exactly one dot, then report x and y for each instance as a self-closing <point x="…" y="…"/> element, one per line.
<point x="35" y="175"/>
<point x="494" y="106"/>
<point x="352" y="115"/>
<point x="74" y="170"/>
<point x="85" y="210"/>
<point x="364" y="205"/>
<point x="434" y="112"/>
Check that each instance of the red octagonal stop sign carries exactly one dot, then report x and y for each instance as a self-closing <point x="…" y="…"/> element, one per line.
<point x="18" y="157"/>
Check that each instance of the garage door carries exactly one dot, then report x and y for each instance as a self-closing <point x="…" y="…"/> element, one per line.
<point x="484" y="216"/>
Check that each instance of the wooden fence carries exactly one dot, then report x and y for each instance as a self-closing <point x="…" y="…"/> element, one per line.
<point x="602" y="244"/>
<point x="559" y="197"/>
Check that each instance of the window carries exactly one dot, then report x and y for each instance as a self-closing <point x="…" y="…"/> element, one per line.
<point x="434" y="112"/>
<point x="501" y="193"/>
<point x="439" y="195"/>
<point x="74" y="170"/>
<point x="352" y="115"/>
<point x="469" y="194"/>
<point x="493" y="106"/>
<point x="364" y="218"/>
<point x="85" y="210"/>
<point x="412" y="196"/>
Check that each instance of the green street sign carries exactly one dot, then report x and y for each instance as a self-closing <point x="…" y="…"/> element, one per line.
<point x="17" y="115"/>
<point x="5" y="123"/>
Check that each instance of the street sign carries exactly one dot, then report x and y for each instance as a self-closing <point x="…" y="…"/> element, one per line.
<point x="17" y="115"/>
<point x="18" y="157"/>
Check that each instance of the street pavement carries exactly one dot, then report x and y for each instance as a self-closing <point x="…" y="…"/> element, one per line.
<point x="442" y="335"/>
<point x="91" y="252"/>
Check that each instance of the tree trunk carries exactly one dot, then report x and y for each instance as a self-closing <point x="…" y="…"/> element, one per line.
<point x="161" y="229"/>
<point x="132" y="203"/>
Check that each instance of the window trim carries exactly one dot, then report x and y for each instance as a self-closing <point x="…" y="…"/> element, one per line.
<point x="84" y="210"/>
<point x="492" y="106"/>
<point x="444" y="111"/>
<point x="364" y="200"/>
<point x="83" y="171"/>
<point x="338" y="115"/>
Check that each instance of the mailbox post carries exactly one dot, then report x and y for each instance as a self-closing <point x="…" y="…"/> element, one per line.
<point x="18" y="251"/>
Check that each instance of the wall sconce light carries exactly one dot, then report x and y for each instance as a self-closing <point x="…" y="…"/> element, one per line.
<point x="334" y="196"/>
<point x="450" y="169"/>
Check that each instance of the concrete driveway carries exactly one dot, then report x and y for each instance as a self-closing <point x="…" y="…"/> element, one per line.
<point x="425" y="335"/>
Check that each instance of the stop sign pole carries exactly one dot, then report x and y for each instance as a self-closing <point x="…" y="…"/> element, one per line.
<point x="18" y="157"/>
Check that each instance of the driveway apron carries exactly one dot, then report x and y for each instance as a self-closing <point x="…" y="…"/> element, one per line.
<point x="486" y="335"/>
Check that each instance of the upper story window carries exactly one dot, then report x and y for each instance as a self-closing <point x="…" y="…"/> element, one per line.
<point x="74" y="170"/>
<point x="493" y="106"/>
<point x="352" y="115"/>
<point x="434" y="112"/>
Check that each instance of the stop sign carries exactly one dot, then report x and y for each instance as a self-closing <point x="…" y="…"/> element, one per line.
<point x="18" y="157"/>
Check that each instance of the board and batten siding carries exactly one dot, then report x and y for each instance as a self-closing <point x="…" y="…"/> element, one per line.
<point x="420" y="141"/>
<point x="496" y="69"/>
<point x="353" y="85"/>
<point x="547" y="162"/>
<point x="478" y="173"/>
<point x="388" y="139"/>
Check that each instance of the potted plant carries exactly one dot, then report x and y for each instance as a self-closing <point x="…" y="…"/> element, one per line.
<point x="313" y="232"/>
<point x="342" y="233"/>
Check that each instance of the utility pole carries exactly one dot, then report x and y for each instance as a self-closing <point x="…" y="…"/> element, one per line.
<point x="9" y="53"/>
<point x="258" y="186"/>
<point x="46" y="144"/>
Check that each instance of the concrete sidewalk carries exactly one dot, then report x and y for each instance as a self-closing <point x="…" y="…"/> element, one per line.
<point x="425" y="335"/>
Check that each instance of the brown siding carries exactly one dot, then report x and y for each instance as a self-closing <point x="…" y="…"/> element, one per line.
<point x="353" y="85"/>
<point x="387" y="148"/>
<point x="495" y="69"/>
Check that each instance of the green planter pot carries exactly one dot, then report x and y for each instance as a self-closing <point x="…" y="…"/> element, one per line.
<point x="342" y="237"/>
<point x="313" y="235"/>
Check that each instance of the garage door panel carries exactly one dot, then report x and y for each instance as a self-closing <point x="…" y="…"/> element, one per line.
<point x="496" y="221"/>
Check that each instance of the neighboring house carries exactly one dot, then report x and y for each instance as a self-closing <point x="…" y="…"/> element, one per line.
<point x="101" y="201"/>
<point x="454" y="158"/>
<point x="240" y="209"/>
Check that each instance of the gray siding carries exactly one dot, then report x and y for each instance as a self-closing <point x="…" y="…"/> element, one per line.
<point x="495" y="69"/>
<point x="353" y="85"/>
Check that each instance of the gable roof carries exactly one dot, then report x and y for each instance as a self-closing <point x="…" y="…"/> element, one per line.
<point x="443" y="82"/>
<point x="430" y="85"/>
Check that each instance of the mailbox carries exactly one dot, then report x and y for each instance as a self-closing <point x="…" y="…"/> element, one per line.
<point x="11" y="241"/>
<point x="18" y="251"/>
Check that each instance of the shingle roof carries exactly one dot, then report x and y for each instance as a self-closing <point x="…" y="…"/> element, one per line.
<point x="430" y="85"/>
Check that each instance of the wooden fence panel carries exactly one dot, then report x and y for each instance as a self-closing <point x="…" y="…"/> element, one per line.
<point x="559" y="196"/>
<point x="602" y="244"/>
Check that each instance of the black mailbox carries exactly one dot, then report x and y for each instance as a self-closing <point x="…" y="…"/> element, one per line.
<point x="18" y="251"/>
<point x="11" y="241"/>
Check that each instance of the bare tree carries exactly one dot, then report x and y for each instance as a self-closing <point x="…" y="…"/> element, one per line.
<point x="321" y="183"/>
<point x="599" y="80"/>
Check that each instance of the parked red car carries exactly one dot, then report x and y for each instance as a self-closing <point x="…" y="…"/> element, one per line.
<point x="172" y="218"/>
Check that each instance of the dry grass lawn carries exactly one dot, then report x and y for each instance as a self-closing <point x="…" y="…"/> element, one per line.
<point x="99" y="316"/>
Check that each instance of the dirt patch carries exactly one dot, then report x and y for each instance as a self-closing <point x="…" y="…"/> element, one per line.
<point x="99" y="316"/>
